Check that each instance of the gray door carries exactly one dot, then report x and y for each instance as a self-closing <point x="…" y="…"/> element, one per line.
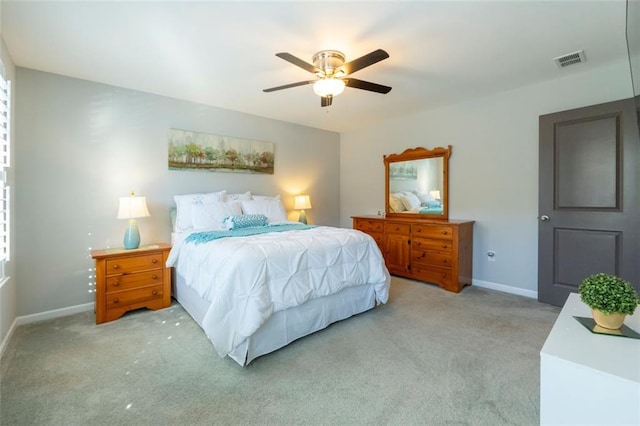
<point x="589" y="216"/>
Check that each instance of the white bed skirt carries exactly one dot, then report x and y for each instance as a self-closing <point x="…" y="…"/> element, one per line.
<point x="283" y="327"/>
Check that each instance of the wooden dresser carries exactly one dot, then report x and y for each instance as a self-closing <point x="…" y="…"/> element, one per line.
<point x="434" y="251"/>
<point x="131" y="279"/>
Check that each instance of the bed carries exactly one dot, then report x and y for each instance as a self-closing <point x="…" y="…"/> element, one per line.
<point x="414" y="202"/>
<point x="255" y="282"/>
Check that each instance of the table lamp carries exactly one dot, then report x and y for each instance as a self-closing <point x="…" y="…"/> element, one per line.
<point x="302" y="202"/>
<point x="132" y="207"/>
<point x="435" y="194"/>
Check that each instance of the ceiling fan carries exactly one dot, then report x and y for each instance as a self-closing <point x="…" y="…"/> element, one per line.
<point x="334" y="74"/>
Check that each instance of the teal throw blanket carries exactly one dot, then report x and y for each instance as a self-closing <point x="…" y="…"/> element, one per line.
<point x="205" y="237"/>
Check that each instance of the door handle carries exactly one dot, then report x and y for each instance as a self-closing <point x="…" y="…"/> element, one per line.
<point x="545" y="218"/>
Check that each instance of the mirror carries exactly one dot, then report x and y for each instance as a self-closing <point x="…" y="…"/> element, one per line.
<point x="417" y="183"/>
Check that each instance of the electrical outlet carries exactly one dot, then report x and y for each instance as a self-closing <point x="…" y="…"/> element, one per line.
<point x="491" y="256"/>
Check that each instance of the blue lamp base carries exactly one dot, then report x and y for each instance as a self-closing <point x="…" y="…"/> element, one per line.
<point x="303" y="217"/>
<point x="132" y="236"/>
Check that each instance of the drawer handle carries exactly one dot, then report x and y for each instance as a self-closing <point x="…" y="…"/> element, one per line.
<point x="445" y="232"/>
<point x="154" y="260"/>
<point x="397" y="228"/>
<point x="444" y="246"/>
<point x="155" y="277"/>
<point x="424" y="255"/>
<point x="116" y="284"/>
<point x="154" y="292"/>
<point x="116" y="266"/>
<point x="116" y="300"/>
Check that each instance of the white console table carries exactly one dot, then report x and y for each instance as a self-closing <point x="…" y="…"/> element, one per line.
<point x="588" y="378"/>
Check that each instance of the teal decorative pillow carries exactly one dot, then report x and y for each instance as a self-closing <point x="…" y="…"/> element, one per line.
<point x="244" y="221"/>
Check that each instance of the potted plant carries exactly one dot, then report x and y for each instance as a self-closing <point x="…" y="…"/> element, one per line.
<point x="610" y="298"/>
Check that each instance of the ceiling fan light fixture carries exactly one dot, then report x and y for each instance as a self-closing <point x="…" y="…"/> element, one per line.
<point x="328" y="87"/>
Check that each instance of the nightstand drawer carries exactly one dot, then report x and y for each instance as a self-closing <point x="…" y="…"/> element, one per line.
<point x="130" y="297"/>
<point x="134" y="263"/>
<point x="129" y="281"/>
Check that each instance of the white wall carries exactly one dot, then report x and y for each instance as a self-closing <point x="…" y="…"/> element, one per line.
<point x="493" y="174"/>
<point x="81" y="145"/>
<point x="8" y="294"/>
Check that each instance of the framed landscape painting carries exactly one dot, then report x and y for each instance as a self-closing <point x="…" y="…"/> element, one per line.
<point x="205" y="152"/>
<point x="403" y="171"/>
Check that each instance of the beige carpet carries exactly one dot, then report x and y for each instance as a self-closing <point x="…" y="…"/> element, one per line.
<point x="428" y="357"/>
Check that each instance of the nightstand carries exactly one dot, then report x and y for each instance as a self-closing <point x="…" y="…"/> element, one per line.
<point x="131" y="279"/>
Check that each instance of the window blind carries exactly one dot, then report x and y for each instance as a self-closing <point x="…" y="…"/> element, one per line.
<point x="5" y="134"/>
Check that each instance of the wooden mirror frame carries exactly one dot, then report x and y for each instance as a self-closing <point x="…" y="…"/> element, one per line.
<point x="420" y="154"/>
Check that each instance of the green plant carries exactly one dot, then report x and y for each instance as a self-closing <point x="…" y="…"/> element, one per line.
<point x="609" y="294"/>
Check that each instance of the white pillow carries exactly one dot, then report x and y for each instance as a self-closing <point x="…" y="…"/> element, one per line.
<point x="424" y="198"/>
<point x="272" y="209"/>
<point x="210" y="216"/>
<point x="395" y="204"/>
<point x="239" y="197"/>
<point x="410" y="201"/>
<point x="185" y="203"/>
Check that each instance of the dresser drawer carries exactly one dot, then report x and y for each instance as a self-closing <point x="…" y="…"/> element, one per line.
<point x="369" y="225"/>
<point x="134" y="263"/>
<point x="129" y="297"/>
<point x="129" y="281"/>
<point x="422" y="244"/>
<point x="433" y="231"/>
<point x="398" y="228"/>
<point x="431" y="258"/>
<point x="441" y="277"/>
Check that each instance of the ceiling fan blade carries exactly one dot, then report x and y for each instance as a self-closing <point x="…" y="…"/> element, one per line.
<point x="365" y="61"/>
<point x="288" y="86"/>
<point x="298" y="62"/>
<point x="366" y="85"/>
<point x="325" y="101"/>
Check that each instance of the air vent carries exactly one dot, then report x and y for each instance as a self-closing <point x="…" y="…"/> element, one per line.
<point x="570" y="59"/>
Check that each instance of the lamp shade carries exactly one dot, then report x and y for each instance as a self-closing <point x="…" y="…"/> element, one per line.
<point x="328" y="86"/>
<point x="302" y="202"/>
<point x="132" y="207"/>
<point x="435" y="194"/>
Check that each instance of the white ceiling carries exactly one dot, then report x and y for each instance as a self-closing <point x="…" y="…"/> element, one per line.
<point x="223" y="53"/>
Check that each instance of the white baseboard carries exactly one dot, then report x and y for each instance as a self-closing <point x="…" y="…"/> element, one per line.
<point x="27" y="319"/>
<point x="7" y="337"/>
<point x="56" y="313"/>
<point x="506" y="288"/>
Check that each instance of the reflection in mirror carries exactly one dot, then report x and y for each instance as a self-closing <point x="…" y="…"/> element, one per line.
<point x="417" y="184"/>
<point x="422" y="179"/>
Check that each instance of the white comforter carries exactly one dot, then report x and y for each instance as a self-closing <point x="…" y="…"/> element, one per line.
<point x="246" y="279"/>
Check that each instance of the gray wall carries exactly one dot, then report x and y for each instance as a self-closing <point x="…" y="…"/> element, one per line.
<point x="81" y="145"/>
<point x="8" y="293"/>
<point x="493" y="174"/>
